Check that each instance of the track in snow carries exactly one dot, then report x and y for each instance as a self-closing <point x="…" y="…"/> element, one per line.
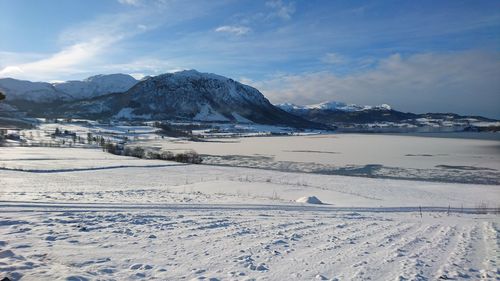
<point x="238" y="242"/>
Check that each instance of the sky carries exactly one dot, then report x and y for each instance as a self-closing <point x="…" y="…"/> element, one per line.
<point x="418" y="56"/>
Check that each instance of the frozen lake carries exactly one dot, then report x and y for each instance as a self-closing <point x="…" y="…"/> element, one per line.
<point x="439" y="158"/>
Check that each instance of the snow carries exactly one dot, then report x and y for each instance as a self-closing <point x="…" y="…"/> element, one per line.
<point x="390" y="156"/>
<point x="70" y="90"/>
<point x="221" y="244"/>
<point x="194" y="74"/>
<point x="83" y="214"/>
<point x="241" y="119"/>
<point x="97" y="85"/>
<point x="127" y="113"/>
<point x="207" y="113"/>
<point x="26" y="90"/>
<point x="48" y="159"/>
<point x="309" y="200"/>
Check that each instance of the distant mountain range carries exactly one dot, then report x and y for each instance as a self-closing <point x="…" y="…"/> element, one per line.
<point x="194" y="96"/>
<point x="330" y="106"/>
<point x="66" y="91"/>
<point x="346" y="115"/>
<point x="184" y="95"/>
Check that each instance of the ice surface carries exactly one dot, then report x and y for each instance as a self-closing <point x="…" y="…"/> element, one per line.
<point x="388" y="156"/>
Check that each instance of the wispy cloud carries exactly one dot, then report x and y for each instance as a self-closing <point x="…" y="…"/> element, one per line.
<point x="233" y="29"/>
<point x="130" y="2"/>
<point x="89" y="46"/>
<point x="143" y="65"/>
<point x="333" y="58"/>
<point x="81" y="45"/>
<point x="63" y="60"/>
<point x="281" y="9"/>
<point x="463" y="82"/>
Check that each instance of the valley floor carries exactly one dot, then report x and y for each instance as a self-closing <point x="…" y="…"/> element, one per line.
<point x="81" y="214"/>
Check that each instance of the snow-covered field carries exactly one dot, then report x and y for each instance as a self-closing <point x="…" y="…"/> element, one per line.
<point x="82" y="214"/>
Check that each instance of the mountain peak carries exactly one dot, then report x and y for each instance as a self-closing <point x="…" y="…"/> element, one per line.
<point x="194" y="74"/>
<point x="110" y="77"/>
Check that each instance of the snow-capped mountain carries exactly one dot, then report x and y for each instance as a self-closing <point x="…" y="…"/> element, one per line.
<point x="351" y="115"/>
<point x="334" y="112"/>
<point x="190" y="96"/>
<point x="332" y="106"/>
<point x="96" y="85"/>
<point x="43" y="92"/>
<point x="187" y="95"/>
<point x="30" y="91"/>
<point x="200" y="96"/>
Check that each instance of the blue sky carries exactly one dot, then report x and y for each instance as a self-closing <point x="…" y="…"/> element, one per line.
<point x="415" y="55"/>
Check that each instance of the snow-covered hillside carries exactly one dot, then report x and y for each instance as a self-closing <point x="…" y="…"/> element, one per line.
<point x="30" y="91"/>
<point x="96" y="85"/>
<point x="70" y="90"/>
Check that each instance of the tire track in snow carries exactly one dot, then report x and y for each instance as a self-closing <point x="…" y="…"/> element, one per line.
<point x="491" y="241"/>
<point x="420" y="262"/>
<point x="395" y="252"/>
<point x="386" y="253"/>
<point x="459" y="265"/>
<point x="360" y="247"/>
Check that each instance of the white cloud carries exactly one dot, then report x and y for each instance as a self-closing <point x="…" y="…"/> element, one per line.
<point x="246" y="80"/>
<point x="142" y="66"/>
<point x="103" y="45"/>
<point x="233" y="29"/>
<point x="463" y="82"/>
<point x="333" y="58"/>
<point x="63" y="60"/>
<point x="282" y="10"/>
<point x="82" y="47"/>
<point x="130" y="2"/>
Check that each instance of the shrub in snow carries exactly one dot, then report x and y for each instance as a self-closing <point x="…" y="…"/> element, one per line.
<point x="138" y="152"/>
<point x="167" y="155"/>
<point x="186" y="157"/>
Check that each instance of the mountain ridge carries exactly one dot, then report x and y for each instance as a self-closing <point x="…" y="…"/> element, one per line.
<point x="347" y="115"/>
<point x="191" y="95"/>
<point x="184" y="95"/>
<point x="93" y="86"/>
